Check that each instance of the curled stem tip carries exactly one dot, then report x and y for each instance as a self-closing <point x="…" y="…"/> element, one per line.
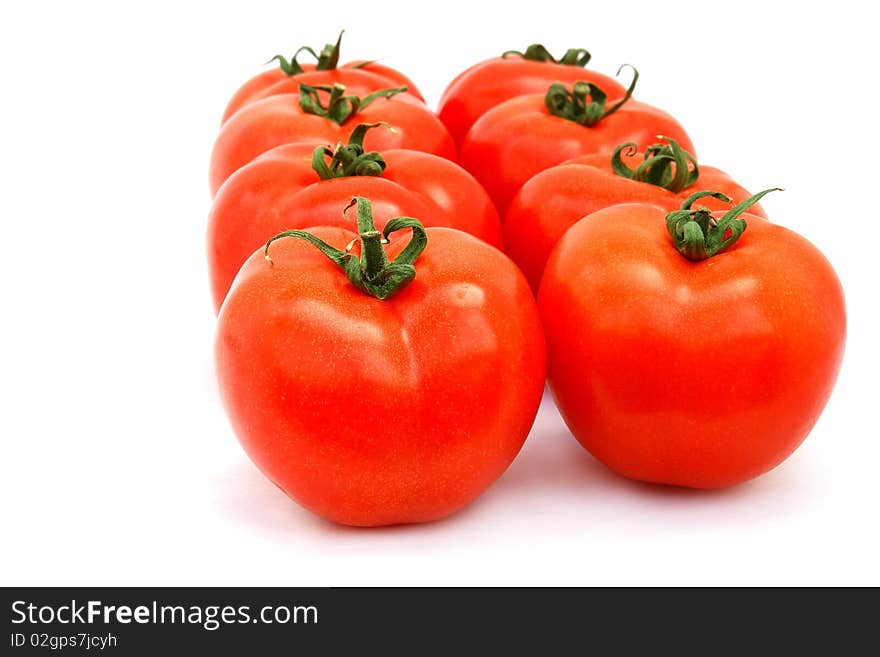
<point x="538" y="53"/>
<point x="326" y="60"/>
<point x="340" y="107"/>
<point x="665" y="165"/>
<point x="372" y="273"/>
<point x="698" y="235"/>
<point x="349" y="159"/>
<point x="585" y="103"/>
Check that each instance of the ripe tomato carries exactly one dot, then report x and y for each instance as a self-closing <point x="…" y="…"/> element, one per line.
<point x="292" y="186"/>
<point x="288" y="118"/>
<point x="489" y="83"/>
<point x="672" y="369"/>
<point x="359" y="77"/>
<point x="552" y="201"/>
<point x="524" y="135"/>
<point x="372" y="411"/>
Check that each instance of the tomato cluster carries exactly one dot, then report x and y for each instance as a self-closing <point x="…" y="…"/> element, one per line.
<point x="555" y="228"/>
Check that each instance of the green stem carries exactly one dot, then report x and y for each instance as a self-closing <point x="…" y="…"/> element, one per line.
<point x="574" y="105"/>
<point x="538" y="53"/>
<point x="340" y="107"/>
<point x="373" y="257"/>
<point x="373" y="273"/>
<point x="327" y="60"/>
<point x="698" y="235"/>
<point x="349" y="159"/>
<point x="665" y="165"/>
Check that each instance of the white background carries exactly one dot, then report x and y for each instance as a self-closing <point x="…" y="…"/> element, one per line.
<point x="119" y="467"/>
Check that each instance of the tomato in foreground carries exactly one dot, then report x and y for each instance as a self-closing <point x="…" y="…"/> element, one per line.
<point x="555" y="199"/>
<point x="524" y="135"/>
<point x="483" y="86"/>
<point x="359" y="77"/>
<point x="300" y="186"/>
<point x="325" y="114"/>
<point x="376" y="392"/>
<point x="686" y="349"/>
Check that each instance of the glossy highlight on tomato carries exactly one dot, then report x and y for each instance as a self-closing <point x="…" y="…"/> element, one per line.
<point x="358" y="77"/>
<point x="483" y="86"/>
<point x="525" y="135"/>
<point x="552" y="201"/>
<point x="374" y="411"/>
<point x="325" y="115"/>
<point x="701" y="371"/>
<point x="282" y="189"/>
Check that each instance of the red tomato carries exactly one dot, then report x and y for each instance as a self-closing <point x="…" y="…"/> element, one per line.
<point x="520" y="137"/>
<point x="483" y="86"/>
<point x="376" y="412"/>
<point x="700" y="373"/>
<point x="553" y="200"/>
<point x="289" y="118"/>
<point x="359" y="77"/>
<point x="281" y="189"/>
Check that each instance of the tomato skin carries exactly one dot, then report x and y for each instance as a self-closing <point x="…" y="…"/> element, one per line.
<point x="359" y="81"/>
<point x="372" y="412"/>
<point x="279" y="119"/>
<point x="397" y="78"/>
<point x="518" y="138"/>
<point x="483" y="86"/>
<point x="279" y="190"/>
<point x="553" y="200"/>
<point x="449" y="186"/>
<point x="701" y="374"/>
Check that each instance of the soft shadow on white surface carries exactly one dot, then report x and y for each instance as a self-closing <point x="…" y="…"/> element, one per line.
<point x="249" y="499"/>
<point x="554" y="485"/>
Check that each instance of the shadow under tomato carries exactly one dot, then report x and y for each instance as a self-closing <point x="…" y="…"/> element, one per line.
<point x="247" y="497"/>
<point x="557" y="482"/>
<point x="554" y="483"/>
